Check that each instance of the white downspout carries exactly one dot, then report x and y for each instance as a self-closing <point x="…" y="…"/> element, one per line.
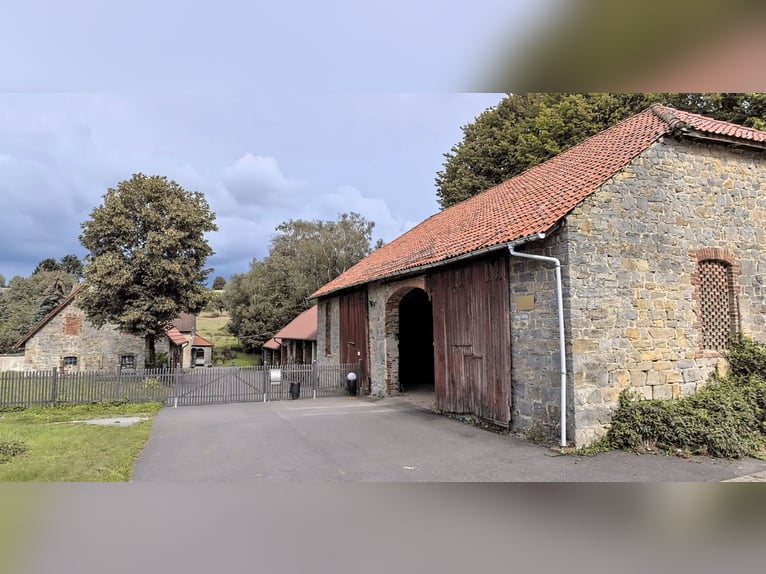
<point x="562" y="347"/>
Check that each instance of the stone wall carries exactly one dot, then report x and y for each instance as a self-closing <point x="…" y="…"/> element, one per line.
<point x="12" y="362"/>
<point x="535" y="355"/>
<point x="70" y="334"/>
<point x="384" y="302"/>
<point x="328" y="353"/>
<point x="633" y="248"/>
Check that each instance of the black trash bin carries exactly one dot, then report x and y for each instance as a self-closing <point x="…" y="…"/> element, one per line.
<point x="351" y="384"/>
<point x="295" y="391"/>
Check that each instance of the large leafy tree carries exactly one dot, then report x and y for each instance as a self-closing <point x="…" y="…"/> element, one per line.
<point x="147" y="255"/>
<point x="303" y="256"/>
<point x="524" y="130"/>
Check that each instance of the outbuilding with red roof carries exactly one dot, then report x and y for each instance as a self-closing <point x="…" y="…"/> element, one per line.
<point x="295" y="343"/>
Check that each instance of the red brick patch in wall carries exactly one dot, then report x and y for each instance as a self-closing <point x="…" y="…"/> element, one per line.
<point x="72" y="325"/>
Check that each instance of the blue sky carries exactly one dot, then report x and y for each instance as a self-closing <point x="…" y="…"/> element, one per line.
<point x="273" y="110"/>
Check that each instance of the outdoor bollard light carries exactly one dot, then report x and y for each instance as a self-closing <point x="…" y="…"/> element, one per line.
<point x="351" y="383"/>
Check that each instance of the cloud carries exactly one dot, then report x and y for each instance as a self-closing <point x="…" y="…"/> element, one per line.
<point x="245" y="233"/>
<point x="258" y="180"/>
<point x="346" y="198"/>
<point x="60" y="153"/>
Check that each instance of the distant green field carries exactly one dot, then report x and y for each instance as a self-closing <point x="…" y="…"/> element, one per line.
<point x="212" y="326"/>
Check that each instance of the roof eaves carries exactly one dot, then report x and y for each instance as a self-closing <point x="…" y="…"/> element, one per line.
<point x="442" y="262"/>
<point x="724" y="139"/>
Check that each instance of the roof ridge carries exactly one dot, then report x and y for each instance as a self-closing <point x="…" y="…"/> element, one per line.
<point x="665" y="113"/>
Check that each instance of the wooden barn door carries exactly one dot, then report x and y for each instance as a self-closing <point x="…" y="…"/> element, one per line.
<point x="472" y="345"/>
<point x="354" y="332"/>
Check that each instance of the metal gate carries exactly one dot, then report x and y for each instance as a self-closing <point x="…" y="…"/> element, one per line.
<point x="219" y="385"/>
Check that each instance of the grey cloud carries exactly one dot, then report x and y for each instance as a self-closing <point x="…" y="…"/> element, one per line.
<point x="258" y="180"/>
<point x="346" y="198"/>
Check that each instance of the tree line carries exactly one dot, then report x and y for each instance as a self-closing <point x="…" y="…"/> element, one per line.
<point x="303" y="256"/>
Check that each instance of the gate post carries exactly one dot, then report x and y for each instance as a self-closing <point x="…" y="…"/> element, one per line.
<point x="314" y="377"/>
<point x="175" y="384"/>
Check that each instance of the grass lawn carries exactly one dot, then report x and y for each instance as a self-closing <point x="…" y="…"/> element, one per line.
<point x="212" y="326"/>
<point x="43" y="444"/>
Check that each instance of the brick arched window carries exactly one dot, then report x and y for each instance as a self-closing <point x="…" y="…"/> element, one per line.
<point x="716" y="298"/>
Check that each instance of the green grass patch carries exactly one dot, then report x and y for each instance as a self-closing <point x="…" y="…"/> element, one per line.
<point x="212" y="326"/>
<point x="227" y="351"/>
<point x="726" y="418"/>
<point x="48" y="444"/>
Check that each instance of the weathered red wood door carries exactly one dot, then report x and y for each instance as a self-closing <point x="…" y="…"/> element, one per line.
<point x="472" y="340"/>
<point x="354" y="332"/>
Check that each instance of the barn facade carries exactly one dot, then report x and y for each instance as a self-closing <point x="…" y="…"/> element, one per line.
<point x="658" y="226"/>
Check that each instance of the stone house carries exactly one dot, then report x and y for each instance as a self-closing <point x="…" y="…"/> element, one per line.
<point x="295" y="343"/>
<point x="658" y="225"/>
<point x="65" y="338"/>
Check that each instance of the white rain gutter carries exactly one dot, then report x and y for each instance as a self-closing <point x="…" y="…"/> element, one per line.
<point x="562" y="346"/>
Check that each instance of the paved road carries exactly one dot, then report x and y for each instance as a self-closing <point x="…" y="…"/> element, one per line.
<point x="345" y="439"/>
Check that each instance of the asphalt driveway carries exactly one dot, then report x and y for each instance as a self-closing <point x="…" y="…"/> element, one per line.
<point x="349" y="439"/>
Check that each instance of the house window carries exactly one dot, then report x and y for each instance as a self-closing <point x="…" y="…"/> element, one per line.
<point x="717" y="304"/>
<point x="198" y="357"/>
<point x="70" y="361"/>
<point x="127" y="361"/>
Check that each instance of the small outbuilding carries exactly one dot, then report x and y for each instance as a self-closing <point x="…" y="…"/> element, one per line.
<point x="295" y="343"/>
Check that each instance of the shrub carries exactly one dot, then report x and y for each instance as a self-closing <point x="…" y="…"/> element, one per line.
<point x="726" y="418"/>
<point x="9" y="449"/>
<point x="747" y="357"/>
<point x="223" y="354"/>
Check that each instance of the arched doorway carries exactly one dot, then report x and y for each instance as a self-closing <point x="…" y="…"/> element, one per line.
<point x="415" y="343"/>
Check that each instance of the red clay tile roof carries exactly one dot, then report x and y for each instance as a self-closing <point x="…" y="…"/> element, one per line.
<point x="201" y="341"/>
<point x="302" y="328"/>
<point x="176" y="337"/>
<point x="272" y="344"/>
<point x="533" y="201"/>
<point x="179" y="338"/>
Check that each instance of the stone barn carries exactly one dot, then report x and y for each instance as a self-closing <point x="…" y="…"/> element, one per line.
<point x="658" y="226"/>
